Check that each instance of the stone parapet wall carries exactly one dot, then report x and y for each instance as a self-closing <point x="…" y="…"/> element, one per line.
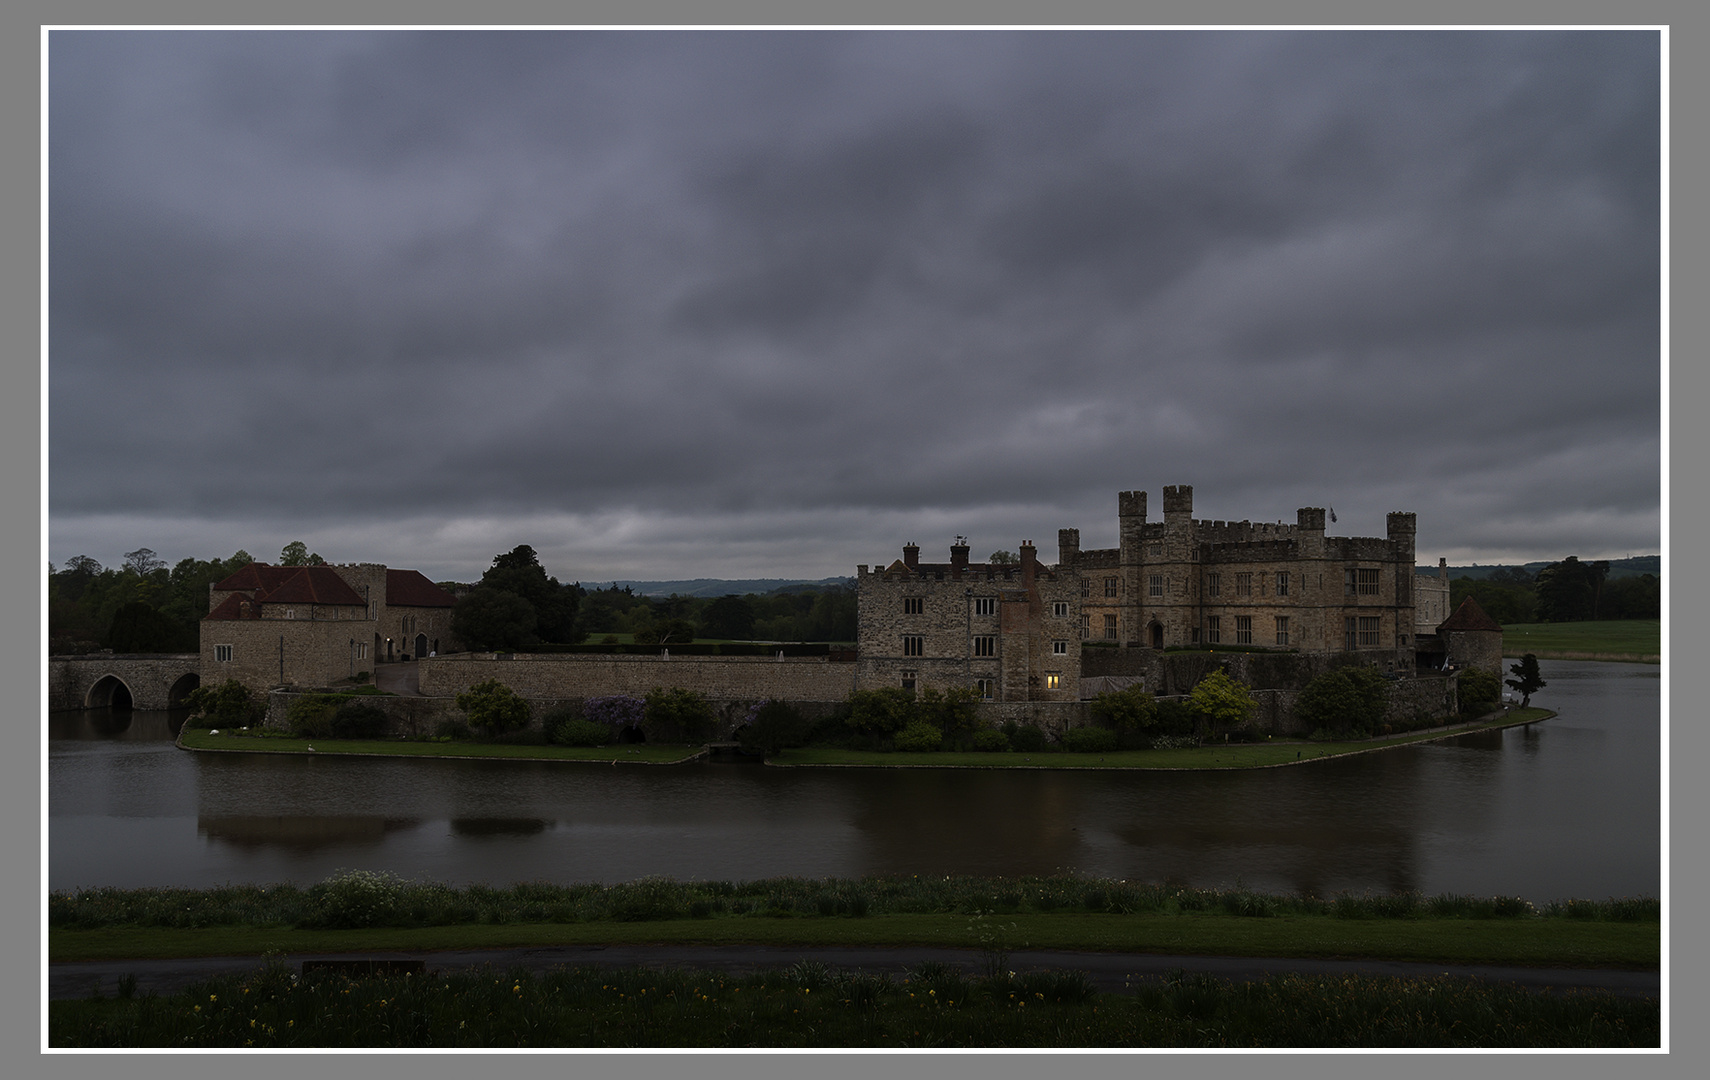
<point x="577" y="676"/>
<point x="153" y="680"/>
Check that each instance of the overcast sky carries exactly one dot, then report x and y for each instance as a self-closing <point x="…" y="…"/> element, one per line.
<point x="772" y="304"/>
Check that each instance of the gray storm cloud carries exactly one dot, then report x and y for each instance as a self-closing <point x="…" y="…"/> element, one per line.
<point x="761" y="303"/>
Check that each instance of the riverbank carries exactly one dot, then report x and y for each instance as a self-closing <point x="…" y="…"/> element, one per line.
<point x="1636" y="641"/>
<point x="1270" y="754"/>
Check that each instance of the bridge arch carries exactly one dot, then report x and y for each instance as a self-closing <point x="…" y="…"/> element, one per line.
<point x="109" y="691"/>
<point x="181" y="689"/>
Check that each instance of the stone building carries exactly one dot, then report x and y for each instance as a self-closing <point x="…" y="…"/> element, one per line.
<point x="1430" y="600"/>
<point x="1467" y="639"/>
<point x="1009" y="631"/>
<point x="271" y="626"/>
<point x="1193" y="583"/>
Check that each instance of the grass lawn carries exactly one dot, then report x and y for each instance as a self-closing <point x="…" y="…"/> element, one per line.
<point x="1614" y="639"/>
<point x="637" y="754"/>
<point x="1220" y="756"/>
<point x="1514" y="942"/>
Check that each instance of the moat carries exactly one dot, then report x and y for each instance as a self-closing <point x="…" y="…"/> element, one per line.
<point x="1569" y="807"/>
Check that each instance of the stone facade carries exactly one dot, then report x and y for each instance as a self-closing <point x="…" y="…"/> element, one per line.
<point x="721" y="678"/>
<point x="270" y="626"/>
<point x="1186" y="582"/>
<point x="1430" y="600"/>
<point x="1008" y="631"/>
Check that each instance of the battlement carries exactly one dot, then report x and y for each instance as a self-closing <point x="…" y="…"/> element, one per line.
<point x="1250" y="551"/>
<point x="1178" y="499"/>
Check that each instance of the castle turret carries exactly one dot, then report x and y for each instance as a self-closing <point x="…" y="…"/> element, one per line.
<point x="1068" y="547"/>
<point x="1310" y="521"/>
<point x="1403" y="528"/>
<point x="1131" y="523"/>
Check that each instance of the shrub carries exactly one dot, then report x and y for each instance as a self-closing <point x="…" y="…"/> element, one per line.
<point x="1175" y="717"/>
<point x="1128" y="709"/>
<point x="1089" y="740"/>
<point x="687" y="711"/>
<point x="354" y="899"/>
<point x="359" y="720"/>
<point x="991" y="740"/>
<point x="951" y="711"/>
<point x="1350" y="699"/>
<point x="615" y="711"/>
<point x="494" y="707"/>
<point x="1028" y="739"/>
<point x="1479" y="691"/>
<point x="918" y="737"/>
<point x="566" y="727"/>
<point x="773" y="725"/>
<point x="1222" y="700"/>
<point x="880" y="712"/>
<point x="230" y="704"/>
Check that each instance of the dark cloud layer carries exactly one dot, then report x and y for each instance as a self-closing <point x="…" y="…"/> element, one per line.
<point x="743" y="304"/>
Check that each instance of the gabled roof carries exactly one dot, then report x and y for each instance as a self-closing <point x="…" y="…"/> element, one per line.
<point x="313" y="585"/>
<point x="1469" y="616"/>
<point x="256" y="575"/>
<point x="235" y="606"/>
<point x="411" y="588"/>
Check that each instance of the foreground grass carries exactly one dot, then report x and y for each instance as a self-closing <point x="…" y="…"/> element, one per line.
<point x="809" y="1005"/>
<point x="368" y="912"/>
<point x="639" y="753"/>
<point x="1613" y="639"/>
<point x="1211" y="756"/>
<point x="1533" y="943"/>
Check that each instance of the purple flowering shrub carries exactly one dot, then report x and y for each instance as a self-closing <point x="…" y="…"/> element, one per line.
<point x="617" y="711"/>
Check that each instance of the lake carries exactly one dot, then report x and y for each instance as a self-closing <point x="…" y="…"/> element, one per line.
<point x="1567" y="808"/>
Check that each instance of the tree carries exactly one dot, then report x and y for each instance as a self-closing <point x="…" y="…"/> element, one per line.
<point x="1352" y="699"/>
<point x="227" y="704"/>
<point x="1222" y="700"/>
<point x="297" y="553"/>
<point x="954" y="711"/>
<point x="138" y="628"/>
<point x="729" y="617"/>
<point x="882" y="711"/>
<point x="142" y="562"/>
<point x="519" y="573"/>
<point x="688" y="711"/>
<point x="1003" y="558"/>
<point x="1526" y="679"/>
<point x="1479" y="690"/>
<point x="1128" y="709"/>
<point x="493" y="706"/>
<point x="492" y="619"/>
<point x="1568" y="591"/>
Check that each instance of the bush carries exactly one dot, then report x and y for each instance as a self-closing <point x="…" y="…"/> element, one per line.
<point x="991" y="741"/>
<point x="360" y="720"/>
<point x="615" y="711"/>
<point x="880" y="712"/>
<point x="773" y="725"/>
<point x="566" y="727"/>
<point x="1350" y="699"/>
<point x="494" y="707"/>
<point x="230" y="704"/>
<point x="919" y="737"/>
<point x="1129" y="709"/>
<point x="1176" y="717"/>
<point x="354" y="899"/>
<point x="1027" y="739"/>
<point x="1089" y="740"/>
<point x="687" y="711"/>
<point x="1479" y="691"/>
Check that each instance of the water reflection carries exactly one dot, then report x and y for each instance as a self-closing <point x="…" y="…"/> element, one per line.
<point x="1570" y="807"/>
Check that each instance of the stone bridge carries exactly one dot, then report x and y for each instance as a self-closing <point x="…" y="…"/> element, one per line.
<point x="97" y="680"/>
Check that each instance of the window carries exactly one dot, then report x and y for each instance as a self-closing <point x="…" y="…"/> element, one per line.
<point x="1155" y="549"/>
<point x="983" y="687"/>
<point x="1350" y="632"/>
<point x="1110" y="628"/>
<point x="1243" y="629"/>
<point x="290" y="613"/>
<point x="1086" y="586"/>
<point x="1404" y="639"/>
<point x="1368" y="582"/>
<point x="1214" y="629"/>
<point x="908" y="678"/>
<point x="1360" y="582"/>
<point x="1111" y="585"/>
<point x="223" y="653"/>
<point x="914" y="645"/>
<point x="1059" y="648"/>
<point x="1214" y="584"/>
<point x="1053" y="681"/>
<point x="913" y="605"/>
<point x="1282" y="629"/>
<point x="985" y="645"/>
<point x="1244" y="584"/>
<point x="1155" y="585"/>
<point x="1368" y="629"/>
<point x="1282" y="582"/>
<point x="1060" y="610"/>
<point x="361" y="651"/>
<point x="985" y="605"/>
<point x="1086" y="627"/>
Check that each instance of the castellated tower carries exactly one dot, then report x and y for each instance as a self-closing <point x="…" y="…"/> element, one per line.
<point x="1310" y="521"/>
<point x="1068" y="547"/>
<point x="1131" y="521"/>
<point x="1178" y="523"/>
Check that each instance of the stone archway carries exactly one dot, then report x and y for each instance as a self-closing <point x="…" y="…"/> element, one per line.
<point x="182" y="689"/>
<point x="1155" y="634"/>
<point x="109" y="692"/>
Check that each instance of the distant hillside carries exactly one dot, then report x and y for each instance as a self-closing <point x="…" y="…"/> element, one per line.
<point x="715" y="587"/>
<point x="1618" y="568"/>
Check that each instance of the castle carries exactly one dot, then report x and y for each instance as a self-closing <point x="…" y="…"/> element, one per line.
<point x="1016" y="633"/>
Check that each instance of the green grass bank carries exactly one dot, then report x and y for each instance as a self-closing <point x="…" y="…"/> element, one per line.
<point x="1635" y="640"/>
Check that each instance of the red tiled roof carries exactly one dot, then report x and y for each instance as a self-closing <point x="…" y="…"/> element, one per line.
<point x="1469" y="616"/>
<point x="411" y="588"/>
<point x="235" y="606"/>
<point x="256" y="575"/>
<point x="312" y="585"/>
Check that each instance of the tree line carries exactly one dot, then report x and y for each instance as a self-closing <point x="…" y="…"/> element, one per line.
<point x="144" y="606"/>
<point x="1565" y="591"/>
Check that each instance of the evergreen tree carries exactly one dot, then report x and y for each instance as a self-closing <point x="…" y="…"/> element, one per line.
<point x="1527" y="680"/>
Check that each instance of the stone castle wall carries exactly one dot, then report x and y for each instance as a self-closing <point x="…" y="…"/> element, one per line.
<point x="583" y="675"/>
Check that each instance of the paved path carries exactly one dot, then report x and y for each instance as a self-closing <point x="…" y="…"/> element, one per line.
<point x="401" y="679"/>
<point x="1109" y="971"/>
